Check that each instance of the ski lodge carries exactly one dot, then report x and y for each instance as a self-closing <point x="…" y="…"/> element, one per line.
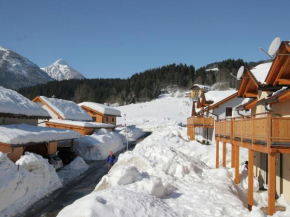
<point x="19" y="131"/>
<point x="263" y="128"/>
<point x="68" y="115"/>
<point x="101" y="113"/>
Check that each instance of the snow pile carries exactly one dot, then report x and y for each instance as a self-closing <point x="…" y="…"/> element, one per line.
<point x="20" y="189"/>
<point x="98" y="145"/>
<point x="132" y="133"/>
<point x="82" y="123"/>
<point x="158" y="170"/>
<point x="260" y="71"/>
<point x="12" y="102"/>
<point x="72" y="170"/>
<point x="68" y="110"/>
<point x="15" y="134"/>
<point x="107" y="110"/>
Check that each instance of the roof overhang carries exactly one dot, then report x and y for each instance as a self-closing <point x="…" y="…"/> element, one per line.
<point x="249" y="86"/>
<point x="248" y="105"/>
<point x="8" y="115"/>
<point x="279" y="73"/>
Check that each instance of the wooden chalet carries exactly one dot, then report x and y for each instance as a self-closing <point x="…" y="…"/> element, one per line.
<point x="196" y="90"/>
<point x="101" y="113"/>
<point x="68" y="115"/>
<point x="19" y="131"/>
<point x="265" y="132"/>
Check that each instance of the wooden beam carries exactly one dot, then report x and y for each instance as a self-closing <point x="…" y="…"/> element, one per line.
<point x="260" y="148"/>
<point x="283" y="81"/>
<point x="281" y="150"/>
<point x="217" y="154"/>
<point x="271" y="183"/>
<point x="250" y="95"/>
<point x="237" y="164"/>
<point x="233" y="156"/>
<point x="224" y="153"/>
<point x="250" y="179"/>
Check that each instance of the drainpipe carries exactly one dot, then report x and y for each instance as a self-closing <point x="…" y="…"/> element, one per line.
<point x="238" y="111"/>
<point x="12" y="150"/>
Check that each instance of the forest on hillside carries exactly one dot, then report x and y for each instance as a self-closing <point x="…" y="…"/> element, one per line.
<point x="141" y="86"/>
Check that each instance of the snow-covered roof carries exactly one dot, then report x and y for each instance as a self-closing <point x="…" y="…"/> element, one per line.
<point x="18" y="134"/>
<point x="68" y="110"/>
<point x="107" y="110"/>
<point x="201" y="86"/>
<point x="82" y="123"/>
<point x="14" y="103"/>
<point x="217" y="96"/>
<point x="260" y="71"/>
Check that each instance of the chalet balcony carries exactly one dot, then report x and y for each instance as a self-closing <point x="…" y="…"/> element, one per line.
<point x="267" y="130"/>
<point x="206" y="122"/>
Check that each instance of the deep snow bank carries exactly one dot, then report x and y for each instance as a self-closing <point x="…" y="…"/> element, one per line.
<point x="157" y="170"/>
<point x="132" y="133"/>
<point x="98" y="145"/>
<point x="20" y="189"/>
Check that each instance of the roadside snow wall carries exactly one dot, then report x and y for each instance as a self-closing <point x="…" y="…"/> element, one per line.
<point x="19" y="189"/>
<point x="98" y="145"/>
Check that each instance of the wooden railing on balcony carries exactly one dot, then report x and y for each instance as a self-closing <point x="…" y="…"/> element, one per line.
<point x="257" y="129"/>
<point x="200" y="122"/>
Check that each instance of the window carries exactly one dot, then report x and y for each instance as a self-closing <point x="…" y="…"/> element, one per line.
<point x="94" y="119"/>
<point x="113" y="119"/>
<point x="229" y="111"/>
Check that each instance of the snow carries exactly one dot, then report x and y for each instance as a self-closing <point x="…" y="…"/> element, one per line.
<point x="149" y="115"/>
<point x="213" y="69"/>
<point x="12" y="102"/>
<point x="101" y="108"/>
<point x="201" y="86"/>
<point x="60" y="70"/>
<point x="98" y="145"/>
<point x="82" y="123"/>
<point x="132" y="133"/>
<point x="261" y="71"/>
<point x="20" y="189"/>
<point x="16" y="134"/>
<point x="72" y="170"/>
<point x="68" y="110"/>
<point x="217" y="96"/>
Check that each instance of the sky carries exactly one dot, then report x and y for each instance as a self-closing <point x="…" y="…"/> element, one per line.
<point x="117" y="38"/>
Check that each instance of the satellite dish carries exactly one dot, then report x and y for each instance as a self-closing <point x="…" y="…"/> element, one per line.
<point x="240" y="72"/>
<point x="274" y="46"/>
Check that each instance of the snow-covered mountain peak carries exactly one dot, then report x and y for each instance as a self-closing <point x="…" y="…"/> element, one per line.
<point x="60" y="62"/>
<point x="60" y="70"/>
<point x="3" y="49"/>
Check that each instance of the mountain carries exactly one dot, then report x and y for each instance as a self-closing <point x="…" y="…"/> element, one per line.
<point x="17" y="71"/>
<point x="60" y="70"/>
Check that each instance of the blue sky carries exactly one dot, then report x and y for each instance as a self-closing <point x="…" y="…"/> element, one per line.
<point x="116" y="38"/>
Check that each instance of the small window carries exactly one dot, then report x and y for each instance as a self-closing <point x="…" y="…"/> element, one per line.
<point x="94" y="119"/>
<point x="113" y="119"/>
<point x="229" y="111"/>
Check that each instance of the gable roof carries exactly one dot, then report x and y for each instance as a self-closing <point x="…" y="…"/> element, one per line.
<point x="64" y="109"/>
<point x="101" y="108"/>
<point x="15" y="105"/>
<point x="223" y="101"/>
<point x="279" y="73"/>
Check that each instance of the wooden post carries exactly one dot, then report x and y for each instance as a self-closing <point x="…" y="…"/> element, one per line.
<point x="271" y="183"/>
<point x="250" y="179"/>
<point x="237" y="164"/>
<point x="193" y="133"/>
<point x="224" y="153"/>
<point x="217" y="154"/>
<point x="233" y="156"/>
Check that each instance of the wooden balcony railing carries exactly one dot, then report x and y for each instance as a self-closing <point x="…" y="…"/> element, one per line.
<point x="258" y="129"/>
<point x="200" y="121"/>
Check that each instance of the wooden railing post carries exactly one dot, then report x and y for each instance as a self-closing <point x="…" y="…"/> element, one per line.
<point x="269" y="131"/>
<point x="237" y="164"/>
<point x="224" y="153"/>
<point x="250" y="179"/>
<point x="271" y="183"/>
<point x="217" y="154"/>
<point x="232" y="143"/>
